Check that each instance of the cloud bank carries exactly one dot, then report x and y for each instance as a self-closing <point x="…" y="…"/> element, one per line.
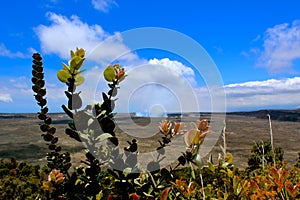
<point x="279" y="93"/>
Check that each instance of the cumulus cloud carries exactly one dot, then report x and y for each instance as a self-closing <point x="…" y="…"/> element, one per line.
<point x="66" y="33"/>
<point x="151" y="86"/>
<point x="281" y="48"/>
<point x="177" y="67"/>
<point x="156" y="83"/>
<point x="103" y="5"/>
<point x="261" y="94"/>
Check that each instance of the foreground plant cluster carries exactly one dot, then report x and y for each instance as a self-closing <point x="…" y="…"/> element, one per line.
<point x="112" y="172"/>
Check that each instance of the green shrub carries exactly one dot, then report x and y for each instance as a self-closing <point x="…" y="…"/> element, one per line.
<point x="261" y="154"/>
<point x="20" y="180"/>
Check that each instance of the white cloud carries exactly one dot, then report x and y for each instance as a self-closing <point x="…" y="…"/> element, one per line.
<point x="152" y="86"/>
<point x="156" y="82"/>
<point x="103" y="5"/>
<point x="16" y="95"/>
<point x="5" y="97"/>
<point x="14" y="88"/>
<point x="7" y="53"/>
<point x="281" y="48"/>
<point x="112" y="49"/>
<point x="64" y="34"/>
<point x="260" y="94"/>
<point x="178" y="67"/>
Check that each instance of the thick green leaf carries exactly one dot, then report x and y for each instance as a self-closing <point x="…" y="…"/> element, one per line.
<point x="211" y="167"/>
<point x="103" y="136"/>
<point x="199" y="161"/>
<point x="192" y="171"/>
<point x="228" y="158"/>
<point x="189" y="137"/>
<point x="72" y="53"/>
<point x="76" y="62"/>
<point x="63" y="75"/>
<point x="126" y="171"/>
<point x="79" y="80"/>
<point x="109" y="74"/>
<point x="67" y="111"/>
<point x="65" y="67"/>
<point x="80" y="52"/>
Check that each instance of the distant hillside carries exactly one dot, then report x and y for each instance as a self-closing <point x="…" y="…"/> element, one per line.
<point x="12" y="116"/>
<point x="281" y="115"/>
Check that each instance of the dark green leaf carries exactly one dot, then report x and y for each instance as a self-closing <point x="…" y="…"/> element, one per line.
<point x="48" y="137"/>
<point x="73" y="134"/>
<point x="44" y="127"/>
<point x="38" y="68"/>
<point x="67" y="111"/>
<point x="48" y="120"/>
<point x="114" y="140"/>
<point x="36" y="88"/>
<point x="104" y="96"/>
<point x="38" y="97"/>
<point x="42" y="92"/>
<point x="52" y="130"/>
<point x="165" y="174"/>
<point x="58" y="149"/>
<point x="40" y="83"/>
<point x="39" y="75"/>
<point x="34" y="80"/>
<point x="107" y="125"/>
<point x="37" y="62"/>
<point x="42" y="116"/>
<point x="34" y="72"/>
<point x="182" y="160"/>
<point x="72" y="125"/>
<point x="45" y="110"/>
<point x="37" y="56"/>
<point x="113" y="92"/>
<point x="54" y="140"/>
<point x="42" y="103"/>
<point x="51" y="146"/>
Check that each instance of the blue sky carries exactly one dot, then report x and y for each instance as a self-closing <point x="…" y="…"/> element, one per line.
<point x="254" y="44"/>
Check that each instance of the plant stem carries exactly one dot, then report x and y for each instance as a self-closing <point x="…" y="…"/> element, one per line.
<point x="263" y="156"/>
<point x="224" y="139"/>
<point x="202" y="185"/>
<point x="271" y="140"/>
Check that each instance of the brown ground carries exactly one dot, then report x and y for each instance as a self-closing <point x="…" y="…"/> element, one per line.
<point x="20" y="138"/>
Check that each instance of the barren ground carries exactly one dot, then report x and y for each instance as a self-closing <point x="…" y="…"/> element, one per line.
<point x="20" y="137"/>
